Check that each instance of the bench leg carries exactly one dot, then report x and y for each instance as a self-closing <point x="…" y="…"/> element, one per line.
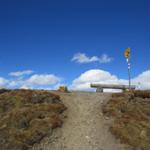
<point x="99" y="90"/>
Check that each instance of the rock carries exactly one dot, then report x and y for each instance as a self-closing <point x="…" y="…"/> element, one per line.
<point x="143" y="134"/>
<point x="106" y="118"/>
<point x="88" y="138"/>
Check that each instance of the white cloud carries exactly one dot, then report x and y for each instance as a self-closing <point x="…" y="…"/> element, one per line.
<point x="100" y="76"/>
<point x="3" y="82"/>
<point x="93" y="76"/>
<point x="21" y="73"/>
<point x="16" y="83"/>
<point x="51" y="81"/>
<point x="105" y="59"/>
<point x="143" y="80"/>
<point x="35" y="81"/>
<point x="25" y="87"/>
<point x="83" y="58"/>
<point x="43" y="79"/>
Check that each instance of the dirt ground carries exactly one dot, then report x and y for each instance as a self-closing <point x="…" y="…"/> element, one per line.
<point x="85" y="127"/>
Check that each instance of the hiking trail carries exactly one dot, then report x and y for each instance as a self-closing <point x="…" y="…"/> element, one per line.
<point x="85" y="127"/>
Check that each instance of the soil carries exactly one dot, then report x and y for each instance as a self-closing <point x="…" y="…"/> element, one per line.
<point x="85" y="127"/>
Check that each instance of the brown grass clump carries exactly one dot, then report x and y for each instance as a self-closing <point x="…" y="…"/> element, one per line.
<point x="142" y="94"/>
<point x="131" y="113"/>
<point x="26" y="116"/>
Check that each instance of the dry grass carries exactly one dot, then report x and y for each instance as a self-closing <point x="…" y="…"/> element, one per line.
<point x="26" y="116"/>
<point x="131" y="113"/>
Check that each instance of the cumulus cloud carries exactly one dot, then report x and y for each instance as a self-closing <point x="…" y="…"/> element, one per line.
<point x="21" y="73"/>
<point x="43" y="79"/>
<point x="51" y="81"/>
<point x="16" y="83"/>
<point x="83" y="58"/>
<point x="143" y="80"/>
<point x="93" y="76"/>
<point x="35" y="81"/>
<point x="100" y="76"/>
<point x="3" y="82"/>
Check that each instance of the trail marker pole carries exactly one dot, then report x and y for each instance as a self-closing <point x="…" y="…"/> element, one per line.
<point x="129" y="75"/>
<point x="127" y="56"/>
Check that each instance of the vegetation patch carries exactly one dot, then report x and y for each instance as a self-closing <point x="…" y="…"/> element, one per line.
<point x="27" y="116"/>
<point x="131" y="113"/>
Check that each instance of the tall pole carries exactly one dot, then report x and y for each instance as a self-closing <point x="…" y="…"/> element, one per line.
<point x="129" y="74"/>
<point x="127" y="56"/>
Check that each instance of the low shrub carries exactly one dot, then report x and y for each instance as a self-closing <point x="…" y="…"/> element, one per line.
<point x="131" y="113"/>
<point x="26" y="116"/>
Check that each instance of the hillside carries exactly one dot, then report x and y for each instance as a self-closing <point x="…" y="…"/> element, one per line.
<point x="27" y="116"/>
<point x="92" y="121"/>
<point x="131" y="114"/>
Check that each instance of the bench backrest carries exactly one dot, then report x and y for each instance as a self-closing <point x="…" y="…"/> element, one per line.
<point x="112" y="86"/>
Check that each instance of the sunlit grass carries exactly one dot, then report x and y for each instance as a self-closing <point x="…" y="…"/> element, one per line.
<point x="131" y="113"/>
<point x="27" y="116"/>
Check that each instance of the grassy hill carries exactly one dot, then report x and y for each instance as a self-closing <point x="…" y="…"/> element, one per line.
<point x="26" y="116"/>
<point x="131" y="113"/>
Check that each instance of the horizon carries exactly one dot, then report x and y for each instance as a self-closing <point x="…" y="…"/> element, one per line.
<point x="45" y="44"/>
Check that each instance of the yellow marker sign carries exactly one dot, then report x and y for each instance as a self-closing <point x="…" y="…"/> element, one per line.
<point x="127" y="53"/>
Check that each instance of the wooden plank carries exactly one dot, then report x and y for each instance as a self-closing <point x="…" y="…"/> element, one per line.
<point x="112" y="86"/>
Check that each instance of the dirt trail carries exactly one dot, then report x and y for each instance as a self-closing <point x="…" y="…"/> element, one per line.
<point x="85" y="128"/>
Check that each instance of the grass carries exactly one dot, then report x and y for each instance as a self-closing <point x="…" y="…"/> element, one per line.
<point x="27" y="116"/>
<point x="131" y="113"/>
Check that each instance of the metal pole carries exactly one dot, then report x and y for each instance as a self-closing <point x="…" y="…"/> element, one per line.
<point x="127" y="56"/>
<point x="129" y="74"/>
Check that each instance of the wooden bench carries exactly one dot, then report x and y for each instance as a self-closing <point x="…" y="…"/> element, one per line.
<point x="100" y="87"/>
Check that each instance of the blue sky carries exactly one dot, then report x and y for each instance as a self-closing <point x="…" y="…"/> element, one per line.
<point x="42" y="36"/>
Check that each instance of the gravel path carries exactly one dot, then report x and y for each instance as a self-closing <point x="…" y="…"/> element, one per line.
<point x="85" y="127"/>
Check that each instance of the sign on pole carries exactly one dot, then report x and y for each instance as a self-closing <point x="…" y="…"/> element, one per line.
<point x="127" y="53"/>
<point x="127" y="56"/>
